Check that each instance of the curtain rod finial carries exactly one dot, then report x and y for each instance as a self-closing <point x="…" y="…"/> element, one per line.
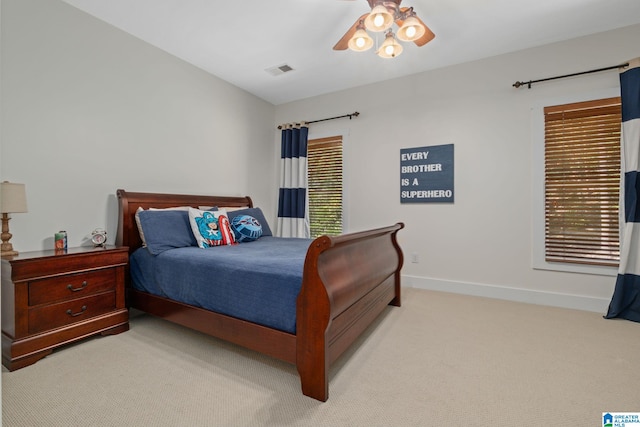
<point x="518" y="84"/>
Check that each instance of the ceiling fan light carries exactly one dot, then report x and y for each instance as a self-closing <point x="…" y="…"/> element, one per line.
<point x="390" y="48"/>
<point x="360" y="41"/>
<point x="411" y="30"/>
<point x="379" y="19"/>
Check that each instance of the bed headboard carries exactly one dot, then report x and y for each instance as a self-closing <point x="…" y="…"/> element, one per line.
<point x="129" y="202"/>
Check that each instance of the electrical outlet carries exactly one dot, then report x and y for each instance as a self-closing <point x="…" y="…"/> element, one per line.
<point x="414" y="258"/>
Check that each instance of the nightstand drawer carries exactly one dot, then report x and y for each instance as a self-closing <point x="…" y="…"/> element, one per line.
<point x="71" y="286"/>
<point x="63" y="313"/>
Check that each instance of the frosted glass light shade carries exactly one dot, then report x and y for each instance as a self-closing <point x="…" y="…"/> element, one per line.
<point x="379" y="19"/>
<point x="411" y="30"/>
<point x="360" y="41"/>
<point x="390" y="47"/>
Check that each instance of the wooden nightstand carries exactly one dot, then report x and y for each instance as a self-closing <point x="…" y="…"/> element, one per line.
<point x="51" y="298"/>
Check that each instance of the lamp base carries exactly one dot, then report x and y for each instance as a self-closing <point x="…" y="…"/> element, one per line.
<point x="6" y="248"/>
<point x="5" y="254"/>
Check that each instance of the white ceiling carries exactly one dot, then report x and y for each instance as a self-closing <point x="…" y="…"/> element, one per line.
<point x="238" y="40"/>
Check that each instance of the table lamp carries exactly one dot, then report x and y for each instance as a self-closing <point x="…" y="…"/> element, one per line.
<point x="13" y="199"/>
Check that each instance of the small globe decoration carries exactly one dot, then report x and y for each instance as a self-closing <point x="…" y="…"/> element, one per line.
<point x="246" y="228"/>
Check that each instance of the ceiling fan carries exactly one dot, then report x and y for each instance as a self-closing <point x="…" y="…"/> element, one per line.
<point x="381" y="18"/>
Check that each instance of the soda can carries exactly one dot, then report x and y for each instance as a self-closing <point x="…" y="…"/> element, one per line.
<point x="60" y="239"/>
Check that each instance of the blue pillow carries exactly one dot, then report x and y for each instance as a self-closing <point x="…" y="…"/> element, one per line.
<point x="254" y="212"/>
<point x="246" y="228"/>
<point x="165" y="230"/>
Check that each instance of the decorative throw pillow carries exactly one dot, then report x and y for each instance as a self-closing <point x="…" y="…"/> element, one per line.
<point x="211" y="228"/>
<point x="257" y="214"/>
<point x="246" y="228"/>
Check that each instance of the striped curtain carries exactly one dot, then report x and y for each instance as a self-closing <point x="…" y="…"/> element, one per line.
<point x="625" y="302"/>
<point x="293" y="217"/>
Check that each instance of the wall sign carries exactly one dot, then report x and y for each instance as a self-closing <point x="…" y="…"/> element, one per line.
<point x="426" y="174"/>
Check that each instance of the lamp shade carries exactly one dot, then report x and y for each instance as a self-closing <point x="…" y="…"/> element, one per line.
<point x="13" y="197"/>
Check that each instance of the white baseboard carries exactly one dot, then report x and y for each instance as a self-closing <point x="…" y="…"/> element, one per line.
<point x="577" y="302"/>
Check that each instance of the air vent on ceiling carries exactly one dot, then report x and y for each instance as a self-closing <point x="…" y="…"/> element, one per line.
<point x="280" y="69"/>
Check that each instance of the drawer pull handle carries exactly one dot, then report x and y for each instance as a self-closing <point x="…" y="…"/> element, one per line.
<point x="72" y="289"/>
<point x="70" y="313"/>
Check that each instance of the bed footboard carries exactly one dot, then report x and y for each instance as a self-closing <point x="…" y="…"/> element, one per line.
<point x="348" y="281"/>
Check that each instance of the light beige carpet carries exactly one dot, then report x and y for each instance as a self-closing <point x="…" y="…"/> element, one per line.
<point x="439" y="360"/>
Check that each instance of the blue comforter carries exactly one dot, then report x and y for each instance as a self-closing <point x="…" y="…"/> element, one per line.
<point x="257" y="281"/>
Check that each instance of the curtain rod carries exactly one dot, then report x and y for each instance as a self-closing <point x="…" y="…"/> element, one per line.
<point x="530" y="82"/>
<point x="354" y="114"/>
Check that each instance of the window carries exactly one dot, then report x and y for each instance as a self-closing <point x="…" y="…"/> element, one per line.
<point x="324" y="162"/>
<point x="582" y="182"/>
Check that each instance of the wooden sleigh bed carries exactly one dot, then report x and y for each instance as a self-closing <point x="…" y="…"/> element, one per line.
<point x="347" y="282"/>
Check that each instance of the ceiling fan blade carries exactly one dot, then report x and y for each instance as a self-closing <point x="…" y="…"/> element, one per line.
<point x="428" y="34"/>
<point x="426" y="37"/>
<point x="343" y="43"/>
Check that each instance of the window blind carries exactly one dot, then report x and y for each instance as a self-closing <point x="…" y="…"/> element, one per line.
<point x="582" y="182"/>
<point x="324" y="163"/>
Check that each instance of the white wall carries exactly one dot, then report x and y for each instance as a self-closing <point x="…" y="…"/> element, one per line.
<point x="88" y="109"/>
<point x="481" y="244"/>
